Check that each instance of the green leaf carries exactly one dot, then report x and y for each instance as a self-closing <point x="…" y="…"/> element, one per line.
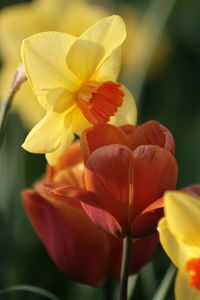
<point x="29" y="288"/>
<point x="165" y="284"/>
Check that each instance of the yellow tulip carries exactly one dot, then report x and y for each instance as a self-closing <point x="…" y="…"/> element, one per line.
<point x="180" y="237"/>
<point x="74" y="81"/>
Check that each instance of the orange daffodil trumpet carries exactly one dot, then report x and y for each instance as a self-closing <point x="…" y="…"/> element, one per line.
<point x="179" y="235"/>
<point x="74" y="80"/>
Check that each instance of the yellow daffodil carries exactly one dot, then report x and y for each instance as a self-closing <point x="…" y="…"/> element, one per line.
<point x="74" y="81"/>
<point x="70" y="17"/>
<point x="180" y="237"/>
<point x="66" y="16"/>
<point x="20" y="21"/>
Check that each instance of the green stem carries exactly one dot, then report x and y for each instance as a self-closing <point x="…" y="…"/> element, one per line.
<point x="18" y="78"/>
<point x="126" y="256"/>
<point x="4" y="109"/>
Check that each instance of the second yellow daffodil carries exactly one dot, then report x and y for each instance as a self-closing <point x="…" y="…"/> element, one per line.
<point x="180" y="237"/>
<point x="74" y="81"/>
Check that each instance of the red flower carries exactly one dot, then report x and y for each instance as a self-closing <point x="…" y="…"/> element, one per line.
<point x="78" y="247"/>
<point x="127" y="171"/>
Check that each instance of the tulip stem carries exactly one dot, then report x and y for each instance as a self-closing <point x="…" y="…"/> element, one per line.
<point x="18" y="78"/>
<point x="126" y="256"/>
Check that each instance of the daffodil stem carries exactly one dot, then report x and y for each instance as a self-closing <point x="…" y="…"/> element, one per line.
<point x="18" y="78"/>
<point x="4" y="109"/>
<point x="126" y="256"/>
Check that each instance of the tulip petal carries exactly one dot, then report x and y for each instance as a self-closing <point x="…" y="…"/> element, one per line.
<point x="46" y="72"/>
<point x="105" y="219"/>
<point x="72" y="176"/>
<point x="108" y="33"/>
<point x="182" y="213"/>
<point x="147" y="220"/>
<point x="98" y="136"/>
<point x="107" y="176"/>
<point x="102" y="218"/>
<point x="71" y="158"/>
<point x="126" y="182"/>
<point x="130" y="131"/>
<point x="91" y="54"/>
<point x="177" y="251"/>
<point x="193" y="190"/>
<point x="182" y="288"/>
<point x="64" y="230"/>
<point x="127" y="113"/>
<point x="153" y="133"/>
<point x="142" y="251"/>
<point x="155" y="172"/>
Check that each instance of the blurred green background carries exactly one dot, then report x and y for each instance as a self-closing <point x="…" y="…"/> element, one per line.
<point x="170" y="95"/>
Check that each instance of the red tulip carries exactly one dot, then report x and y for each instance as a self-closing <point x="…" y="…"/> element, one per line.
<point x="125" y="181"/>
<point x="77" y="246"/>
<point x="127" y="171"/>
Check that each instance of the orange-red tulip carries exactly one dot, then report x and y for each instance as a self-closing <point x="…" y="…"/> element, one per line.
<point x="78" y="247"/>
<point x="127" y="171"/>
<point x="126" y="181"/>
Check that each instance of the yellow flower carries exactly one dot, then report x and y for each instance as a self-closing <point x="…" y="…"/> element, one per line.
<point x="180" y="237"/>
<point x="40" y="15"/>
<point x="71" y="17"/>
<point x="74" y="80"/>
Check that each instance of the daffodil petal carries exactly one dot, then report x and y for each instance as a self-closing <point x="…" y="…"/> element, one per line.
<point x="127" y="113"/>
<point x="108" y="33"/>
<point x="182" y="288"/>
<point x="84" y="57"/>
<point x="79" y="122"/>
<point x="110" y="68"/>
<point x="182" y="212"/>
<point x="44" y="59"/>
<point x="178" y="252"/>
<point x="45" y="136"/>
<point x="30" y="111"/>
<point x="66" y="139"/>
<point x="59" y="100"/>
